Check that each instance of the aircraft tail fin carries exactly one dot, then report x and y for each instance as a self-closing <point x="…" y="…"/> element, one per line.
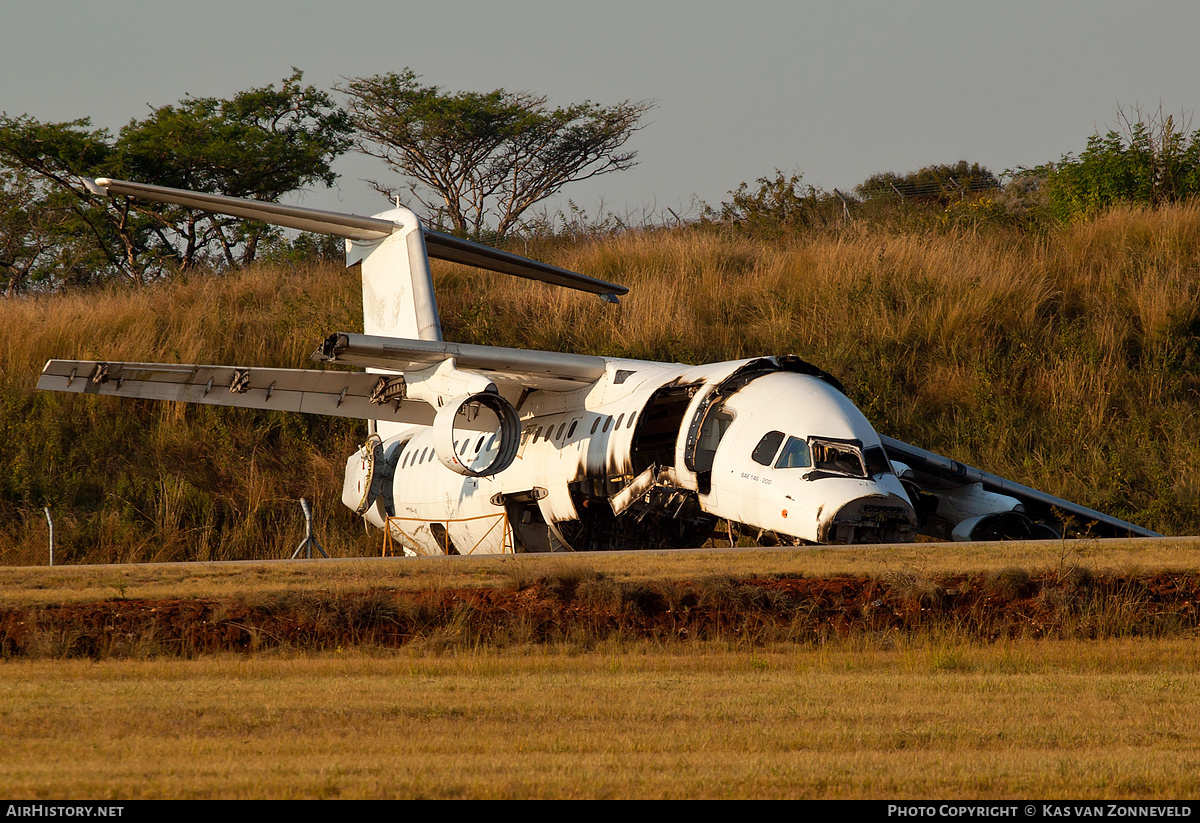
<point x="393" y="247"/>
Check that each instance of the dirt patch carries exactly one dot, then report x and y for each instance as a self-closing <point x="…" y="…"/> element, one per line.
<point x="586" y="608"/>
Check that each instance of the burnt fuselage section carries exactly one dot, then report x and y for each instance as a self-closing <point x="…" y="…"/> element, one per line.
<point x="656" y="456"/>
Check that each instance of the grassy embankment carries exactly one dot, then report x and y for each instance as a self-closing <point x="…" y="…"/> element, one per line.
<point x="747" y="598"/>
<point x="1069" y="362"/>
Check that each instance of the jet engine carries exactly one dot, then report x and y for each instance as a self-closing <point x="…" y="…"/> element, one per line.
<point x="469" y="429"/>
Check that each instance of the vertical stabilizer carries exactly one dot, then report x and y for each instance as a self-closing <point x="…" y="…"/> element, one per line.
<point x="393" y="248"/>
<point x="397" y="285"/>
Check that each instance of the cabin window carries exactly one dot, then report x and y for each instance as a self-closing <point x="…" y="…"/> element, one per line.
<point x="466" y="444"/>
<point x="607" y="422"/>
<point x="424" y="452"/>
<point x="595" y="425"/>
<point x="537" y="434"/>
<point x="795" y="455"/>
<point x="561" y="429"/>
<point x="619" y="420"/>
<point x="491" y="443"/>
<point x="629" y="425"/>
<point x="764" y="452"/>
<point x="571" y="431"/>
<point x="479" y="445"/>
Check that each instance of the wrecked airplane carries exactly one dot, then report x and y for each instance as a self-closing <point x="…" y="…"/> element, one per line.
<point x="480" y="449"/>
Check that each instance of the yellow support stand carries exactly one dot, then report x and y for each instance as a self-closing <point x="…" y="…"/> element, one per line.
<point x="409" y="543"/>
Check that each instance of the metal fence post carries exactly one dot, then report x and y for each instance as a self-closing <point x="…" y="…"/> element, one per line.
<point x="309" y="539"/>
<point x="50" y="523"/>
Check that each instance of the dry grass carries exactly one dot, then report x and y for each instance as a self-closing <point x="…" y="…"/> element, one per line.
<point x="924" y="719"/>
<point x="31" y="585"/>
<point x="1068" y="361"/>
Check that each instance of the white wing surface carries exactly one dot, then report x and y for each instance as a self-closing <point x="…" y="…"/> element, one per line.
<point x="333" y="393"/>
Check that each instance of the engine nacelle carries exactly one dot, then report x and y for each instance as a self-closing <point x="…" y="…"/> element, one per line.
<point x="476" y="414"/>
<point x="367" y="487"/>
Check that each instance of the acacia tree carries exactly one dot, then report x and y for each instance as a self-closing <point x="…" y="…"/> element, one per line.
<point x="475" y="157"/>
<point x="261" y="143"/>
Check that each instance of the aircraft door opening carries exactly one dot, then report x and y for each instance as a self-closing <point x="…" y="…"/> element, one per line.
<point x="658" y="427"/>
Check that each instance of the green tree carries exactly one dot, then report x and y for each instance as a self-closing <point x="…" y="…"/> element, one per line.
<point x="476" y="157"/>
<point x="261" y="143"/>
<point x="777" y="206"/>
<point x="1149" y="158"/>
<point x="41" y="248"/>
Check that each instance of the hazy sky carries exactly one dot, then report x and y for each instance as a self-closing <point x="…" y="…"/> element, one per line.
<point x="834" y="90"/>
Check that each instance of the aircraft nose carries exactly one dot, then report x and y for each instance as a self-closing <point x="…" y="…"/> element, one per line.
<point x="873" y="518"/>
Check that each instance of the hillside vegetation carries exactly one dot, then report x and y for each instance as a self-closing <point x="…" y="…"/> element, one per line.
<point x="1067" y="360"/>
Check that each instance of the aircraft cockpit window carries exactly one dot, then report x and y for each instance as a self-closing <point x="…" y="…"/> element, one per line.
<point x="877" y="462"/>
<point x="843" y="458"/>
<point x="764" y="452"/>
<point x="795" y="455"/>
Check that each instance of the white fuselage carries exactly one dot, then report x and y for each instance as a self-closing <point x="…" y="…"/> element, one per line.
<point x="638" y="429"/>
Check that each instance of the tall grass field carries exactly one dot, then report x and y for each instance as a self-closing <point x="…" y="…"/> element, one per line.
<point x="1067" y="360"/>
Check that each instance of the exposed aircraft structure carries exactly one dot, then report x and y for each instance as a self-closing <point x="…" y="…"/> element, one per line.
<point x="580" y="452"/>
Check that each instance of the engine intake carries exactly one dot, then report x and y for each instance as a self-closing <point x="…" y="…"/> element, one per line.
<point x="469" y="415"/>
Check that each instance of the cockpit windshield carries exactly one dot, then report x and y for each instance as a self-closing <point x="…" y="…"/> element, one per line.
<point x="795" y="455"/>
<point x="825" y="455"/>
<point x="844" y="458"/>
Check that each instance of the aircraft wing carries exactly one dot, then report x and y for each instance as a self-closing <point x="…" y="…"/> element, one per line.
<point x="333" y="393"/>
<point x="547" y="371"/>
<point x="938" y="475"/>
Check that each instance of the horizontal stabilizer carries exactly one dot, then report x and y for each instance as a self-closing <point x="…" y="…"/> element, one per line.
<point x="333" y="393"/>
<point x="549" y="371"/>
<point x="363" y="229"/>
<point x="349" y="226"/>
<point x="456" y="250"/>
<point x="941" y="469"/>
